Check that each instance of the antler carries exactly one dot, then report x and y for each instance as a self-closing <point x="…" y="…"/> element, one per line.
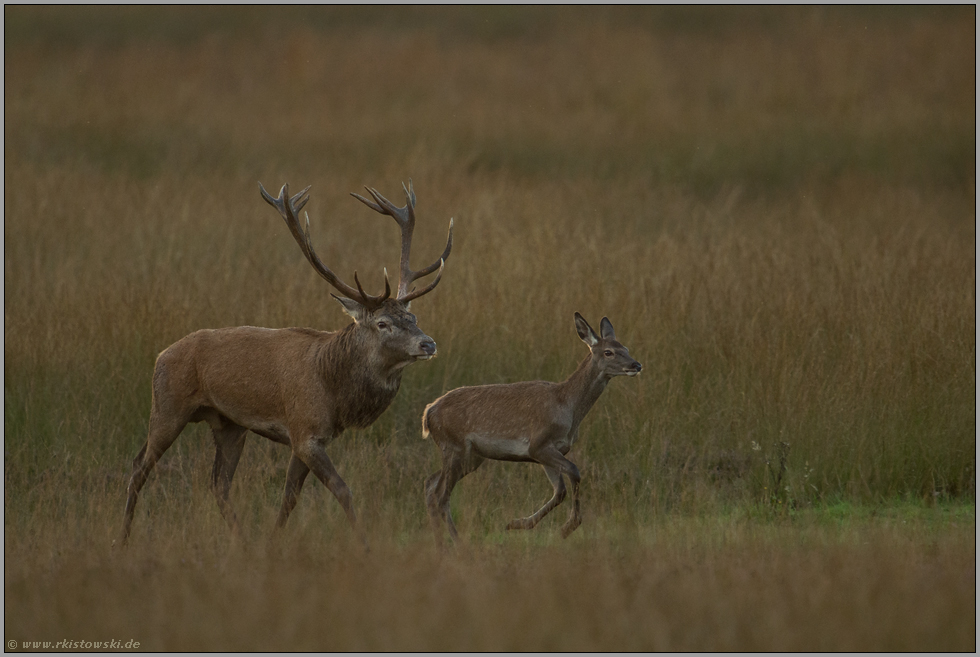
<point x="289" y="209"/>
<point x="405" y="218"/>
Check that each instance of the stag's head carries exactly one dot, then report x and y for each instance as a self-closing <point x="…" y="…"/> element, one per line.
<point x="384" y="320"/>
<point x="393" y="329"/>
<point x="608" y="354"/>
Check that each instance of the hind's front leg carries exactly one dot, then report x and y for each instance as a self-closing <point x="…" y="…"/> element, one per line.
<point x="558" y="485"/>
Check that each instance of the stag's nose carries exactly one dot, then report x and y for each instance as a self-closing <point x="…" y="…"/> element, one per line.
<point x="428" y="347"/>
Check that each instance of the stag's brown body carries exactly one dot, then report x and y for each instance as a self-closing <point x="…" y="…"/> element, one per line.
<point x="272" y="380"/>
<point x="535" y="421"/>
<point x="297" y="386"/>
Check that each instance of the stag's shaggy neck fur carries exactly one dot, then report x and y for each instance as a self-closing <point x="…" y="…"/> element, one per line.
<point x="354" y="369"/>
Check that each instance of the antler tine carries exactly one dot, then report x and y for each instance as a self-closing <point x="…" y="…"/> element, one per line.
<point x="373" y="206"/>
<point x="384" y="206"/>
<point x="404" y="215"/>
<point x="289" y="207"/>
<point x="405" y="218"/>
<point x="302" y="198"/>
<point x="374" y="300"/>
<point x="438" y="263"/>
<point x="415" y="294"/>
<point x="410" y="192"/>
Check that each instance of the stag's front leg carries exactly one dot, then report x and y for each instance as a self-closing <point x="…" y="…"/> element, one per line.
<point x="314" y="455"/>
<point x="554" y="476"/>
<point x="229" y="441"/>
<point x="295" y="476"/>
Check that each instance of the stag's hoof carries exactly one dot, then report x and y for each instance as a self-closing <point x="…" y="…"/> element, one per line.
<point x="570" y="526"/>
<point x="520" y="523"/>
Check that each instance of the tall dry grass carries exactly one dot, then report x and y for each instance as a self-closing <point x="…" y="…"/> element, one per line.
<point x="775" y="207"/>
<point x="685" y="584"/>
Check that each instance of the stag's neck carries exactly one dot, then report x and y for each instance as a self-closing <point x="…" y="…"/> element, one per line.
<point x="361" y="383"/>
<point x="582" y="389"/>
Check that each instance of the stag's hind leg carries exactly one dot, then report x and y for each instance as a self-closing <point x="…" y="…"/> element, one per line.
<point x="163" y="432"/>
<point x="554" y="476"/>
<point x="229" y="441"/>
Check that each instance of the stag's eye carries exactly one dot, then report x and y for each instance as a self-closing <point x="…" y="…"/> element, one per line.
<point x="608" y="353"/>
<point x="382" y="325"/>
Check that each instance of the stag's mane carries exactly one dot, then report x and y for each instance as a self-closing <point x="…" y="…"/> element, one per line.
<point x="348" y="367"/>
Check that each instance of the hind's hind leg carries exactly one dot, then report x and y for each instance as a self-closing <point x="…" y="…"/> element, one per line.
<point x="432" y="505"/>
<point x="439" y="488"/>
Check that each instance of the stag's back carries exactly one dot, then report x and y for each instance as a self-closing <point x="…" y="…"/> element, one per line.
<point x="245" y="373"/>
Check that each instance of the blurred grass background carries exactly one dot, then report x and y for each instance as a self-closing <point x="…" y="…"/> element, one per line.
<point x="774" y="206"/>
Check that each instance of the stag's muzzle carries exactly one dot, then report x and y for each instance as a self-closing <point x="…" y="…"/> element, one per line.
<point x="428" y="350"/>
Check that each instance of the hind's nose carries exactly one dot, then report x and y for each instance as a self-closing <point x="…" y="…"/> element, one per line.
<point x="429" y="347"/>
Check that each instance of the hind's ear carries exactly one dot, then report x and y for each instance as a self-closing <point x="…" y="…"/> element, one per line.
<point x="606" y="329"/>
<point x="352" y="308"/>
<point x="585" y="331"/>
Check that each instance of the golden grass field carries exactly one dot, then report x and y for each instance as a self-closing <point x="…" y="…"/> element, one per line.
<point x="774" y="206"/>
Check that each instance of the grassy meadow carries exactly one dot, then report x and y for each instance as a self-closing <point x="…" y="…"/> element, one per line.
<point x="775" y="207"/>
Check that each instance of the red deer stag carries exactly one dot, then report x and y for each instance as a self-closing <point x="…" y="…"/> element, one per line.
<point x="533" y="421"/>
<point x="295" y="386"/>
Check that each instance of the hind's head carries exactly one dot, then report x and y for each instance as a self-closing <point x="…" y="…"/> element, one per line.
<point x="608" y="354"/>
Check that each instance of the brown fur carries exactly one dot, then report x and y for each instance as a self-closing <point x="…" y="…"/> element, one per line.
<point x="534" y="421"/>
<point x="297" y="386"/>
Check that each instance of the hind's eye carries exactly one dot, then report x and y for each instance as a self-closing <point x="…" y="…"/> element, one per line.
<point x="608" y="353"/>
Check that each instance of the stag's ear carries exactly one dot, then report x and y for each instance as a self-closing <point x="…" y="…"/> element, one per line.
<point x="352" y="308"/>
<point x="585" y="331"/>
<point x="606" y="329"/>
